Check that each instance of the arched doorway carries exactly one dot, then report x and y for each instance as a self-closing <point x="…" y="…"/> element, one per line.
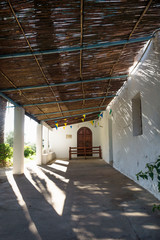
<point x="84" y="139"/>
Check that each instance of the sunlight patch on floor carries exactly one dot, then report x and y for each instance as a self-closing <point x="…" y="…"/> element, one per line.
<point x="62" y="162"/>
<point x="58" y="167"/>
<point x="135" y="214"/>
<point x="105" y="214"/>
<point x="56" y="175"/>
<point x="32" y="226"/>
<point x="53" y="194"/>
<point x="151" y="227"/>
<point x="133" y="188"/>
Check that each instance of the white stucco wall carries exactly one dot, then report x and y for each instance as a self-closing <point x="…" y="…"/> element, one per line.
<point x="131" y="153"/>
<point x="104" y="136"/>
<point x="60" y="144"/>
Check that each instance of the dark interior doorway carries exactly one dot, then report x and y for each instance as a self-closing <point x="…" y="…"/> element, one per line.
<point x="84" y="139"/>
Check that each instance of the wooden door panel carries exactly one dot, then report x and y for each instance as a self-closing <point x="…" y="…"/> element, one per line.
<point x="84" y="139"/>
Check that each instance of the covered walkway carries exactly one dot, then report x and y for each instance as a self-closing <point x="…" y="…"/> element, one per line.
<point x="80" y="199"/>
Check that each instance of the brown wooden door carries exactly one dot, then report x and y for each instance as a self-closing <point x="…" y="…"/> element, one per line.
<point x="84" y="139"/>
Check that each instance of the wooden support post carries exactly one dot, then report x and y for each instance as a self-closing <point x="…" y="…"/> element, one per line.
<point x="70" y="153"/>
<point x="100" y="152"/>
<point x="85" y="152"/>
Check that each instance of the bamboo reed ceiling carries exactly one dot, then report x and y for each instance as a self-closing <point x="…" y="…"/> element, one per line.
<point x="28" y="26"/>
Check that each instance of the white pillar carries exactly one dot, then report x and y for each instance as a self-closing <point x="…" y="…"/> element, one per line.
<point x="18" y="144"/>
<point x="39" y="144"/>
<point x="46" y="139"/>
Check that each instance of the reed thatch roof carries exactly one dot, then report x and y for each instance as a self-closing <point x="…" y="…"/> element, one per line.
<point x="88" y="40"/>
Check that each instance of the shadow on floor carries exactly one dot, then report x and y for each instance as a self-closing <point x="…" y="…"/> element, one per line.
<point x="81" y="199"/>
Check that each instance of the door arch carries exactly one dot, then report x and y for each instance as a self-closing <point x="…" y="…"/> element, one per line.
<point x="84" y="139"/>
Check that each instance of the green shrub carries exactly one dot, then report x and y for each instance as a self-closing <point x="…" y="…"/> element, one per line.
<point x="6" y="153"/>
<point x="9" y="138"/>
<point x="28" y="151"/>
<point x="33" y="146"/>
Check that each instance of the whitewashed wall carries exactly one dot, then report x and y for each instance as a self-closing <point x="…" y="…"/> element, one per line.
<point x="104" y="136"/>
<point x="131" y="153"/>
<point x="60" y="144"/>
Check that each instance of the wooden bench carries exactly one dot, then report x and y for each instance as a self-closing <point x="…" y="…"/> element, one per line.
<point x="85" y="151"/>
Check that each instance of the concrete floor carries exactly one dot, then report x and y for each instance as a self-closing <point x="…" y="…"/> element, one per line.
<point x="76" y="200"/>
